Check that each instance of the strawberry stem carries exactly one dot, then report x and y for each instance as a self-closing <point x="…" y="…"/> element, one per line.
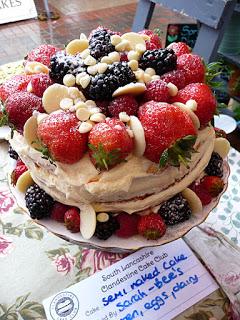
<point x="105" y="159"/>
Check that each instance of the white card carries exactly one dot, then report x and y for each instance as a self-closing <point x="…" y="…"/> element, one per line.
<point x="15" y="10"/>
<point x="153" y="283"/>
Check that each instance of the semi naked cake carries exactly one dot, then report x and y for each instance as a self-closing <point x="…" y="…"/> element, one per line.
<point x="113" y="135"/>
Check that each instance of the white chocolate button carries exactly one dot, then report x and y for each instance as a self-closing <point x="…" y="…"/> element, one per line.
<point x="133" y="55"/>
<point x="133" y="64"/>
<point x="90" y="61"/>
<point x="34" y="67"/>
<point x="102" y="67"/>
<point x="69" y="80"/>
<point x="106" y="60"/>
<point x="114" y="56"/>
<point x="98" y="117"/>
<point x="192" y="104"/>
<point x="30" y="132"/>
<point x="84" y="81"/>
<point x="124" y="117"/>
<point x="66" y="103"/>
<point x="222" y="147"/>
<point x="92" y="70"/>
<point x="85" y="127"/>
<point x="52" y="97"/>
<point x="150" y="71"/>
<point x="115" y="39"/>
<point x="82" y="114"/>
<point x="82" y="36"/>
<point x="130" y="88"/>
<point x="88" y="221"/>
<point x="76" y="46"/>
<point x="172" y="89"/>
<point x="24" y="181"/>
<point x="139" y="137"/>
<point x="85" y="53"/>
<point x="134" y="39"/>
<point x="193" y="200"/>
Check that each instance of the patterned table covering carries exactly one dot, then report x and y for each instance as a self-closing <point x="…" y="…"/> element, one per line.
<point x="35" y="264"/>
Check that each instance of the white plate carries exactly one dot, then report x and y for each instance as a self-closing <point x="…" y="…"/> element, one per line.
<point x="225" y="122"/>
<point x="116" y="244"/>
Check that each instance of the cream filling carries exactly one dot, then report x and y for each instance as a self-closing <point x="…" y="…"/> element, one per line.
<point x="114" y="190"/>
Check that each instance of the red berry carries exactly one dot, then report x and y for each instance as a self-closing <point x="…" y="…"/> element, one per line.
<point x="58" y="211"/>
<point x="103" y="106"/>
<point x="15" y="83"/>
<point x="179" y="48"/>
<point x="109" y="142"/>
<point x="18" y="171"/>
<point x="42" y="53"/>
<point x="150" y="45"/>
<point x="202" y="193"/>
<point x="202" y="94"/>
<point x="20" y="106"/>
<point x="156" y="90"/>
<point x="154" y="42"/>
<point x="123" y="56"/>
<point x="39" y="83"/>
<point x="125" y="103"/>
<point x="176" y="77"/>
<point x="193" y="66"/>
<point x="128" y="225"/>
<point x="151" y="226"/>
<point x="160" y="122"/>
<point x="213" y="185"/>
<point x="59" y="133"/>
<point x="72" y="220"/>
<point x="219" y="133"/>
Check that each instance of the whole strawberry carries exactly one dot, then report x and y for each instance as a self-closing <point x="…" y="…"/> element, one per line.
<point x="193" y="66"/>
<point x="202" y="193"/>
<point x="125" y="103"/>
<point x="176" y="77"/>
<point x="169" y="132"/>
<point x="20" y="106"/>
<point x="42" y="53"/>
<point x="15" y="83"/>
<point x="59" y="133"/>
<point x="18" y="171"/>
<point x="128" y="225"/>
<point x="213" y="185"/>
<point x="179" y="48"/>
<point x="109" y="143"/>
<point x="156" y="90"/>
<point x="58" y="211"/>
<point x="152" y="226"/>
<point x="202" y="94"/>
<point x="72" y="220"/>
<point x="39" y="83"/>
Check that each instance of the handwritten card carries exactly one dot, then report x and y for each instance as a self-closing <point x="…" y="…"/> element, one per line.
<point x="153" y="283"/>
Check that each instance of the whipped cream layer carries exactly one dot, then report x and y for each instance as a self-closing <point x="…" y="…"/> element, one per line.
<point x="131" y="186"/>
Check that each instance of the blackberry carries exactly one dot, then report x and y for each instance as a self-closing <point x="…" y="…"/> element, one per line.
<point x="215" y="166"/>
<point x="103" y="85"/>
<point x="161" y="60"/>
<point x="38" y="202"/>
<point x="106" y="226"/>
<point x="100" y="43"/>
<point x="62" y="64"/>
<point x="175" y="210"/>
<point x="12" y="153"/>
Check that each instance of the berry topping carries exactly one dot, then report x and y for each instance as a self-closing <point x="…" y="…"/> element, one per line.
<point x="176" y="77"/>
<point x="18" y="171"/>
<point x="124" y="103"/>
<point x="39" y="83"/>
<point x="154" y="41"/>
<point x="72" y="220"/>
<point x="20" y="106"/>
<point x="110" y="143"/>
<point x="59" y="134"/>
<point x="123" y="56"/>
<point x="128" y="225"/>
<point x="152" y="226"/>
<point x="175" y="210"/>
<point x="12" y="153"/>
<point x="193" y="66"/>
<point x="100" y="42"/>
<point x="106" y="226"/>
<point x="179" y="48"/>
<point x="42" y="53"/>
<point x="161" y="135"/>
<point x="156" y="90"/>
<point x="103" y="85"/>
<point x="215" y="166"/>
<point x="202" y="193"/>
<point x="202" y="94"/>
<point x="213" y="185"/>
<point x="38" y="202"/>
<point x="15" y="83"/>
<point x="161" y="60"/>
<point x="58" y="211"/>
<point x="219" y="133"/>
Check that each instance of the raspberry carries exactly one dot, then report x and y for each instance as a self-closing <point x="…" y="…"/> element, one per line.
<point x="39" y="83"/>
<point x="72" y="220"/>
<point x="151" y="226"/>
<point x="157" y="90"/>
<point x="42" y="53"/>
<point x="193" y="66"/>
<point x="58" y="211"/>
<point x="128" y="225"/>
<point x="124" y="103"/>
<point x="18" y="171"/>
<point x="176" y="77"/>
<point x="179" y="48"/>
<point x="123" y="56"/>
<point x="203" y="195"/>
<point x="150" y="45"/>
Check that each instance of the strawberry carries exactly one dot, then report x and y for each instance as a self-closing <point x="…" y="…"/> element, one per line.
<point x="110" y="143"/>
<point x="202" y="193"/>
<point x="202" y="94"/>
<point x="152" y="226"/>
<point x="42" y="53"/>
<point x="213" y="185"/>
<point x="128" y="225"/>
<point x="18" y="171"/>
<point x="179" y="48"/>
<point x="154" y="41"/>
<point x="15" y="83"/>
<point x="59" y="133"/>
<point x="58" y="211"/>
<point x="156" y="90"/>
<point x="39" y="83"/>
<point x="125" y="103"/>
<point x="176" y="77"/>
<point x="164" y="135"/>
<point x="72" y="220"/>
<point x="193" y="66"/>
<point x="20" y="106"/>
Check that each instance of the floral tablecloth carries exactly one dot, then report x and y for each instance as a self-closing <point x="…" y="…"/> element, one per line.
<point x="34" y="264"/>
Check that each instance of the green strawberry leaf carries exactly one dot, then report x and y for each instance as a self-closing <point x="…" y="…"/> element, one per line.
<point x="4" y="120"/>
